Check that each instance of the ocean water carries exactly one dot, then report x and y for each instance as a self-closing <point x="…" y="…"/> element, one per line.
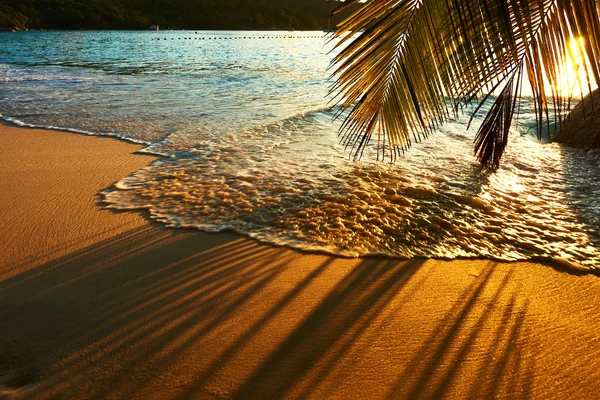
<point x="248" y="143"/>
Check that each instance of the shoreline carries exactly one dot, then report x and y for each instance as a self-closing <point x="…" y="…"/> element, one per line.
<point x="15" y="123"/>
<point x="559" y="265"/>
<point x="105" y="304"/>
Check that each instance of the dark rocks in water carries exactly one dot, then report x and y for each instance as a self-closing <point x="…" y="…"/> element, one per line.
<point x="581" y="128"/>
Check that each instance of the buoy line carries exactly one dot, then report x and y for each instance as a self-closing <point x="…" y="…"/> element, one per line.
<point x="245" y="38"/>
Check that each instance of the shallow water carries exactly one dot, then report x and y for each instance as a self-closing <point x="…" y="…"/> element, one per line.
<point x="250" y="145"/>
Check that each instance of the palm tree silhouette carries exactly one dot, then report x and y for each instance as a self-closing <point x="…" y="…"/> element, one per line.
<point x="419" y="62"/>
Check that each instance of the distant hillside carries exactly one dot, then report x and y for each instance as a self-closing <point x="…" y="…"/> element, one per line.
<point x="174" y="14"/>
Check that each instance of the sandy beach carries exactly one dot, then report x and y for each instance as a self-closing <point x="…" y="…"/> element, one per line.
<point x="105" y="305"/>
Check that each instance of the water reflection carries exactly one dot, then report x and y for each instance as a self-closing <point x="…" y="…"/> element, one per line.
<point x="582" y="175"/>
<point x="435" y="202"/>
<point x="251" y="146"/>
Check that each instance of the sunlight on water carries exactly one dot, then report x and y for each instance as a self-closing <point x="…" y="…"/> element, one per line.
<point x="250" y="146"/>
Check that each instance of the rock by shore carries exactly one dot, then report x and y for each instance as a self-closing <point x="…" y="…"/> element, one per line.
<point x="582" y="127"/>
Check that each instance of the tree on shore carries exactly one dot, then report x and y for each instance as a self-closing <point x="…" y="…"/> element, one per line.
<point x="419" y="61"/>
<point x="180" y="14"/>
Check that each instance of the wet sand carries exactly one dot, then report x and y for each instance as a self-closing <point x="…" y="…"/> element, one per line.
<point x="98" y="304"/>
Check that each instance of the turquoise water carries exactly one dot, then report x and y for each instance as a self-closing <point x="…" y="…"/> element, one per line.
<point x="243" y="121"/>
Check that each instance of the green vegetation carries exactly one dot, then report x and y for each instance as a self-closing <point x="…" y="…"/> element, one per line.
<point x="174" y="14"/>
<point x="419" y="61"/>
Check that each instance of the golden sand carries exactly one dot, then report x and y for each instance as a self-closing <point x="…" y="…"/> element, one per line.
<point x="97" y="304"/>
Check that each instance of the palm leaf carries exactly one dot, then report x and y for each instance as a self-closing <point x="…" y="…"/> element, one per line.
<point x="492" y="137"/>
<point x="419" y="60"/>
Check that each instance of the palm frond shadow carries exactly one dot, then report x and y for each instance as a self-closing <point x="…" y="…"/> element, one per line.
<point x="310" y="324"/>
<point x="96" y="324"/>
<point x="440" y="360"/>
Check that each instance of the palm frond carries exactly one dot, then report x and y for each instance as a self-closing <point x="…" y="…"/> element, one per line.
<point x="492" y="137"/>
<point x="419" y="60"/>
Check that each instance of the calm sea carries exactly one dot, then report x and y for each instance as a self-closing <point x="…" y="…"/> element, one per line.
<point x="249" y="144"/>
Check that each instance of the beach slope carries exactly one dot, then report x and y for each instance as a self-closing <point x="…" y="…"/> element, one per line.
<point x="98" y="304"/>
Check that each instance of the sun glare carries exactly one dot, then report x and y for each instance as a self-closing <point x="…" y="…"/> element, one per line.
<point x="572" y="79"/>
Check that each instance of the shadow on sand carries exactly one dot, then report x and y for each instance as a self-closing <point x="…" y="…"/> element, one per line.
<point x="161" y="313"/>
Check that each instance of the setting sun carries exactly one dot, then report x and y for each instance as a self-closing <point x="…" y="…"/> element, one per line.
<point x="572" y="78"/>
